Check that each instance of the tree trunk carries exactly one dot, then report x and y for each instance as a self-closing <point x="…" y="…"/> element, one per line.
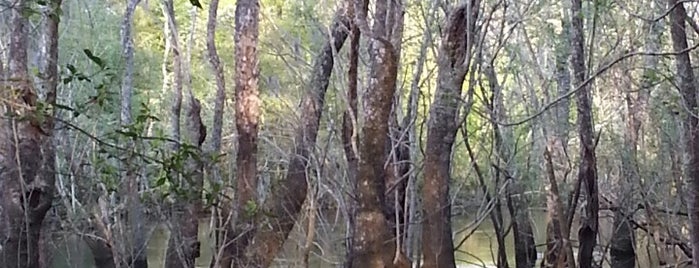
<point x="247" y="115"/>
<point x="27" y="179"/>
<point x="136" y="226"/>
<point x="371" y="244"/>
<point x="286" y="201"/>
<point x="686" y="84"/>
<point x="349" y="123"/>
<point x="49" y="72"/>
<point x="453" y="60"/>
<point x="556" y="245"/>
<point x="217" y="69"/>
<point x="183" y="246"/>
<point x="27" y="183"/>
<point x="587" y="173"/>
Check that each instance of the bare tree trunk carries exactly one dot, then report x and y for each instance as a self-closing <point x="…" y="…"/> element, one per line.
<point x="453" y="62"/>
<point x="172" y="35"/>
<point x="183" y="245"/>
<point x="587" y="174"/>
<point x="247" y="109"/>
<point x="285" y="203"/>
<point x="49" y="73"/>
<point x="556" y="245"/>
<point x="28" y="147"/>
<point x="688" y="90"/>
<point x="349" y="122"/>
<point x="371" y="244"/>
<point x="27" y="180"/>
<point x="217" y="128"/>
<point x="136" y="224"/>
<point x="218" y="74"/>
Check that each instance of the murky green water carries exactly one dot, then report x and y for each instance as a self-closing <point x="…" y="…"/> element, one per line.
<point x="478" y="250"/>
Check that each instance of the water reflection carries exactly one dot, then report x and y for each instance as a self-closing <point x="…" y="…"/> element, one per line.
<point x="479" y="250"/>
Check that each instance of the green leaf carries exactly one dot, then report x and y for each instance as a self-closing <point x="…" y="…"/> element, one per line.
<point x="93" y="58"/>
<point x="71" y="68"/>
<point x="195" y="3"/>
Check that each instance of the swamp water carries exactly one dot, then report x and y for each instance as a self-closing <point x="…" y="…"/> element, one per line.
<point x="479" y="250"/>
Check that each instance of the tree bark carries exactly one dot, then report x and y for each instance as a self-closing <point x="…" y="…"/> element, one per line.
<point x="217" y="69"/>
<point x="453" y="61"/>
<point x="688" y="90"/>
<point x="172" y="35"/>
<point x="27" y="183"/>
<point x="587" y="173"/>
<point x="136" y="226"/>
<point x="183" y="246"/>
<point x="349" y="130"/>
<point x="284" y="205"/>
<point x="247" y="115"/>
<point x="27" y="149"/>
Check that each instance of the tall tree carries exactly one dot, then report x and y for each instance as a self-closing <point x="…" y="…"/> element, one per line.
<point x="137" y="238"/>
<point x="371" y="244"/>
<point x="587" y="173"/>
<point x="183" y="245"/>
<point x="26" y="150"/>
<point x="284" y="204"/>
<point x="688" y="90"/>
<point x="48" y="69"/>
<point x="247" y="115"/>
<point x="349" y="122"/>
<point x="453" y="62"/>
<point x="622" y="244"/>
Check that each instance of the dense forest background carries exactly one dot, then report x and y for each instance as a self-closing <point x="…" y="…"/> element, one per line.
<point x="357" y="133"/>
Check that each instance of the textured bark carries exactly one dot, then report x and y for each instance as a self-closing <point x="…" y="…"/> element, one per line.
<point x="284" y="205"/>
<point x="27" y="181"/>
<point x="349" y="133"/>
<point x="172" y="36"/>
<point x="137" y="240"/>
<point x="247" y="115"/>
<point x="217" y="127"/>
<point x="557" y="142"/>
<point x="453" y="60"/>
<point x="587" y="173"/>
<point x="183" y="246"/>
<point x="218" y="74"/>
<point x="48" y="69"/>
<point x="371" y="244"/>
<point x="687" y="87"/>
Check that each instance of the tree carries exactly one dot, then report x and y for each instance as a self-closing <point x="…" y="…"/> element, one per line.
<point x="247" y="115"/>
<point x="686" y="85"/>
<point x="137" y="257"/>
<point x="26" y="149"/>
<point x="371" y="242"/>
<point x="453" y="62"/>
<point x="587" y="173"/>
<point x="285" y="203"/>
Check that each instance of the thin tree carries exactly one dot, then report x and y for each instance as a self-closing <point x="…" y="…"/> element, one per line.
<point x="137" y="257"/>
<point x="587" y="173"/>
<point x="286" y="200"/>
<point x="688" y="90"/>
